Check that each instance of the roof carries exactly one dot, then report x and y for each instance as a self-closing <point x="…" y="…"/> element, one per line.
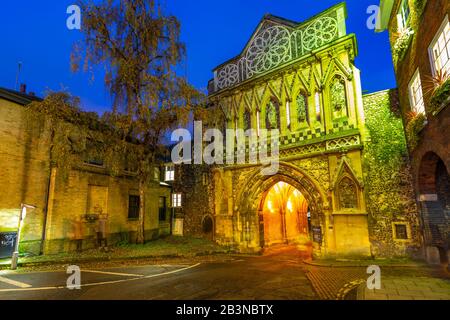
<point x="17" y="97"/>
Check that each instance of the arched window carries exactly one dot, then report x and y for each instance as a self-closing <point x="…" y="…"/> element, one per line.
<point x="348" y="197"/>
<point x="247" y="120"/>
<point x="318" y="106"/>
<point x="302" y="108"/>
<point x="338" y="97"/>
<point x="272" y="114"/>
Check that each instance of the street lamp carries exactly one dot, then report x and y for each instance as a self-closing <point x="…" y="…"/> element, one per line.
<point x="23" y="214"/>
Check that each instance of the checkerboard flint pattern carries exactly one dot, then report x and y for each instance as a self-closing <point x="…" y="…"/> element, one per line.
<point x="302" y="136"/>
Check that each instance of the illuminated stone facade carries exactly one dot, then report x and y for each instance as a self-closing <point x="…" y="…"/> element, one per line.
<point x="300" y="78"/>
<point x="68" y="209"/>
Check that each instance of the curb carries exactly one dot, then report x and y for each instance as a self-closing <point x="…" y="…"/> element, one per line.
<point x="357" y="265"/>
<point x="109" y="259"/>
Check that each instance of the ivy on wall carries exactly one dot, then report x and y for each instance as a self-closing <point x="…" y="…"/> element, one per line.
<point x="403" y="38"/>
<point x="388" y="182"/>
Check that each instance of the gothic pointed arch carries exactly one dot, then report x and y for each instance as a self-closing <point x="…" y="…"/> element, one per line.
<point x="272" y="114"/>
<point x="338" y="96"/>
<point x="347" y="188"/>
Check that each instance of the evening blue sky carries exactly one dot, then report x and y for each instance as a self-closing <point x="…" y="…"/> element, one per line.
<point x="35" y="33"/>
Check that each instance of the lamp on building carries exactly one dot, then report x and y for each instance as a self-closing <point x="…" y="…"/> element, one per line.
<point x="23" y="214"/>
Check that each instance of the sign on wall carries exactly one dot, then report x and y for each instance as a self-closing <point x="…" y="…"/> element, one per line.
<point x="7" y="240"/>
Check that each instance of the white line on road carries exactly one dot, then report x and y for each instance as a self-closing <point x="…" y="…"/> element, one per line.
<point x="15" y="283"/>
<point x="113" y="273"/>
<point x="102" y="283"/>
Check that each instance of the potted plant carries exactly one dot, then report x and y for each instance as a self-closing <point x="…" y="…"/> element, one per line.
<point x="438" y="89"/>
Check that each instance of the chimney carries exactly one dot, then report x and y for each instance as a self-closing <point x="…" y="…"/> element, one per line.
<point x="23" y="88"/>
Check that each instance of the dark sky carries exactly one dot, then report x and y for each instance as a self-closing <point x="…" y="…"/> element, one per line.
<point x="35" y="33"/>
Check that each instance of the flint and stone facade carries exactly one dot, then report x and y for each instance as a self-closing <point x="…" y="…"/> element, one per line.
<point x="302" y="80"/>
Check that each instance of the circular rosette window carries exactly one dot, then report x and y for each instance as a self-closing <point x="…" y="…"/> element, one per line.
<point x="268" y="50"/>
<point x="228" y="76"/>
<point x="320" y="32"/>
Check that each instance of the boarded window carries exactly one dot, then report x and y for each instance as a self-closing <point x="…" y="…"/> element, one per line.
<point x="97" y="200"/>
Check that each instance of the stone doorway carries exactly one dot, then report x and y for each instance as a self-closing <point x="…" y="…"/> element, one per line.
<point x="285" y="217"/>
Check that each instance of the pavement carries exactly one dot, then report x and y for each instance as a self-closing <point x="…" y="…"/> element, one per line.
<point x="280" y="274"/>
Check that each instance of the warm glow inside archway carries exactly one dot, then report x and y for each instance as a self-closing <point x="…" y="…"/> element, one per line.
<point x="285" y="215"/>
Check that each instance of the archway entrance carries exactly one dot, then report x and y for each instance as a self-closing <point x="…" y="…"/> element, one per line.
<point x="285" y="216"/>
<point x="434" y="187"/>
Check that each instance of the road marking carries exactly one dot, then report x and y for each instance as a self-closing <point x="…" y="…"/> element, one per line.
<point x="102" y="283"/>
<point x="114" y="273"/>
<point x="14" y="283"/>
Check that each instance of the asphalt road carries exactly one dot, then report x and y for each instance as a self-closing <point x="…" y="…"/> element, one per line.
<point x="277" y="276"/>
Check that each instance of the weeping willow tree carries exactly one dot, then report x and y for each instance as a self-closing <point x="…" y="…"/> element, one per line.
<point x="139" y="47"/>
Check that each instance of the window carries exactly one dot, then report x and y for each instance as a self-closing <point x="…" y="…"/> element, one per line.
<point x="258" y="123"/>
<point x="95" y="162"/>
<point x="401" y="231"/>
<point x="288" y="114"/>
<point x="205" y="179"/>
<point x="440" y="49"/>
<point x="133" y="207"/>
<point x="403" y="15"/>
<point x="415" y="94"/>
<point x="176" y="200"/>
<point x="247" y="121"/>
<point x="302" y="108"/>
<point x="318" y="106"/>
<point x="272" y="114"/>
<point x="170" y="173"/>
<point x="338" y="97"/>
<point x="162" y="209"/>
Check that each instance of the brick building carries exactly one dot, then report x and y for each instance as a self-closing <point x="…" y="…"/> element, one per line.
<point x="72" y="208"/>
<point x="420" y="39"/>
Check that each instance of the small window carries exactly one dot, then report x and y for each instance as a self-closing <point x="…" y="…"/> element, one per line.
<point x="416" y="94"/>
<point x="258" y="123"/>
<point x="176" y="200"/>
<point x="318" y="107"/>
<point x="440" y="49"/>
<point x="288" y="114"/>
<point x="170" y="173"/>
<point x="162" y="209"/>
<point x="401" y="231"/>
<point x="95" y="162"/>
<point x="403" y="15"/>
<point x="133" y="207"/>
<point x="205" y="179"/>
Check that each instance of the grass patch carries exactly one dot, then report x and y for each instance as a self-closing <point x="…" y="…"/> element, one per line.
<point x="165" y="247"/>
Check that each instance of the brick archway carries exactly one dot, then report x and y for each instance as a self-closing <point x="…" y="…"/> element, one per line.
<point x="434" y="189"/>
<point x="254" y="192"/>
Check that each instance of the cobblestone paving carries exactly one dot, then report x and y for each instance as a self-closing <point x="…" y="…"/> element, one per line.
<point x="328" y="281"/>
<point x="400" y="283"/>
